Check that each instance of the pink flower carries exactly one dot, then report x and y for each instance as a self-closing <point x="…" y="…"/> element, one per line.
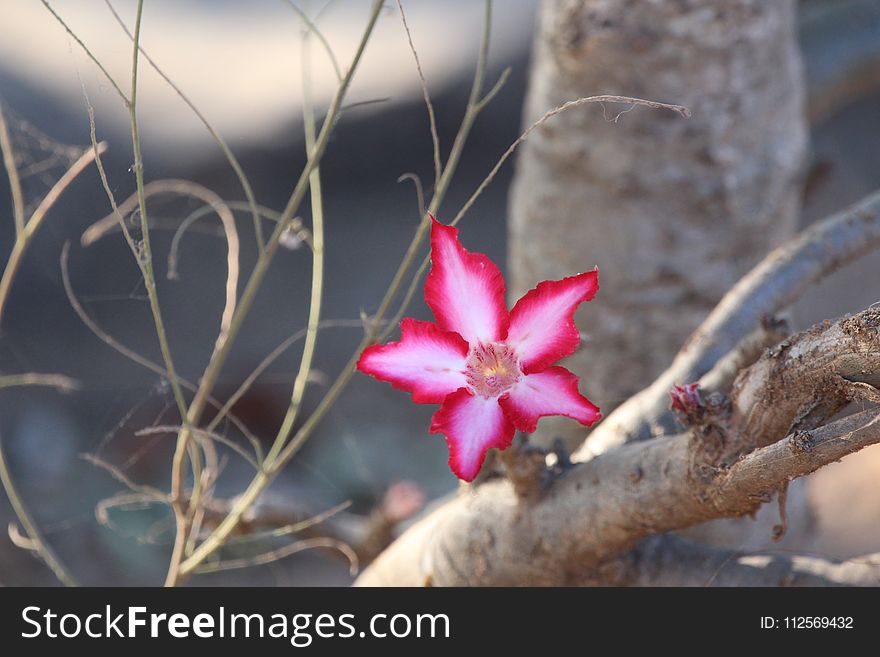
<point x="490" y="369"/>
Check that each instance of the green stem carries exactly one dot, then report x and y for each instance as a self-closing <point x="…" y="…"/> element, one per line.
<point x="305" y="365"/>
<point x="146" y="261"/>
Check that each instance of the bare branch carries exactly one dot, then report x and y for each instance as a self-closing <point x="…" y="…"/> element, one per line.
<point x="185" y="188"/>
<point x="432" y="120"/>
<point x="125" y="480"/>
<point x="275" y="555"/>
<point x="204" y="434"/>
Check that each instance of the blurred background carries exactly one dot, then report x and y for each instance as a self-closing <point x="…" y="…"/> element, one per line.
<point x="238" y="60"/>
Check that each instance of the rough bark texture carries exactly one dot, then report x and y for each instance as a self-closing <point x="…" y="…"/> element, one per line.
<point x="673" y="212"/>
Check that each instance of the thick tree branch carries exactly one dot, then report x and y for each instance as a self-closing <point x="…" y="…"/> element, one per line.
<point x="806" y="379"/>
<point x="603" y="507"/>
<point x="782" y="277"/>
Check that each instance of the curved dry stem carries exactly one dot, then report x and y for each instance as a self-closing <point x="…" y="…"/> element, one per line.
<point x="679" y="109"/>
<point x="313" y="28"/>
<point x="198" y="213"/>
<point x="200" y="433"/>
<point x="184" y="188"/>
<point x="23" y="240"/>
<point x="125" y="480"/>
<point x="317" y="290"/>
<point x="420" y="192"/>
<point x="132" y="501"/>
<point x="60" y="381"/>
<point x="275" y="555"/>
<point x="292" y="528"/>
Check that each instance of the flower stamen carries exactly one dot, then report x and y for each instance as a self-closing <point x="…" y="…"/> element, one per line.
<point x="492" y="369"/>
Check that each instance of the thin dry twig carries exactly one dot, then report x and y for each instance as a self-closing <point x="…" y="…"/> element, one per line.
<point x="271" y="358"/>
<point x="313" y="28"/>
<point x="184" y="188"/>
<point x="432" y="119"/>
<point x="413" y="286"/>
<point x="293" y="528"/>
<point x="198" y="213"/>
<point x="124" y="479"/>
<point x="12" y="173"/>
<point x="316" y="293"/>
<point x="35" y="221"/>
<point x="275" y="555"/>
<point x="420" y="193"/>
<point x="59" y="381"/>
<point x="88" y="52"/>
<point x="200" y="433"/>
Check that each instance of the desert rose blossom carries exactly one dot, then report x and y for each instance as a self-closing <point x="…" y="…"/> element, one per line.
<point x="491" y="370"/>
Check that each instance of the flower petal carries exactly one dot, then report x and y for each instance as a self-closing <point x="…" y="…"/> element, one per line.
<point x="472" y="424"/>
<point x="542" y="328"/>
<point x="551" y="392"/>
<point x="427" y="362"/>
<point x="465" y="290"/>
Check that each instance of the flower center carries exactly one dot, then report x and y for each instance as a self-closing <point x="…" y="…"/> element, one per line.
<point x="492" y="369"/>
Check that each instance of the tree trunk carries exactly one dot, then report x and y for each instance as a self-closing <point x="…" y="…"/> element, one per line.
<point x="672" y="211"/>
